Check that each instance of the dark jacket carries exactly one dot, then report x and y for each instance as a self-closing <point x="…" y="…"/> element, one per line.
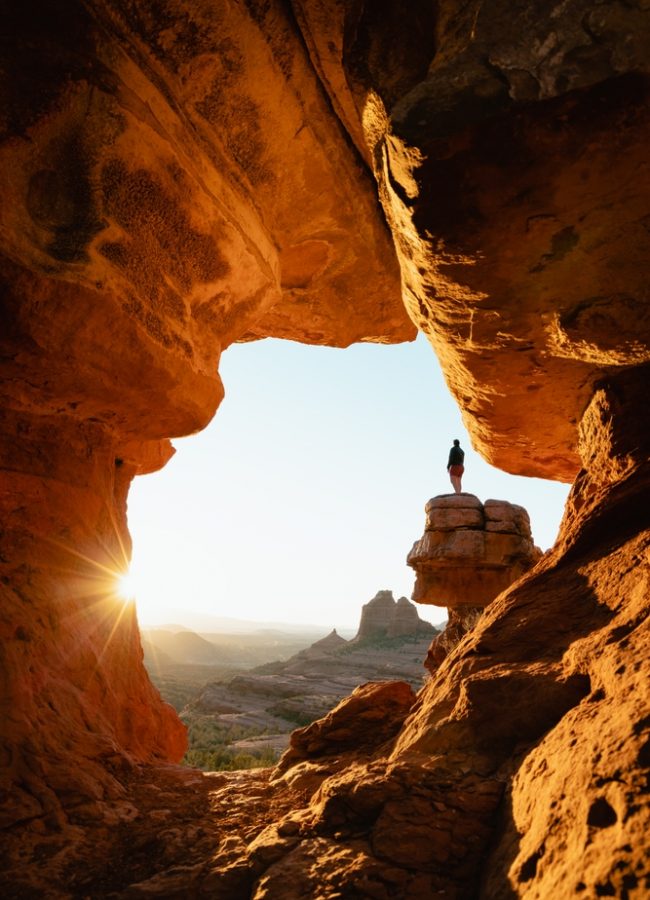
<point x="456" y="457"/>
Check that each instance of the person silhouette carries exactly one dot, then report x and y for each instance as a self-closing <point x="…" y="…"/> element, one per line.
<point x="455" y="465"/>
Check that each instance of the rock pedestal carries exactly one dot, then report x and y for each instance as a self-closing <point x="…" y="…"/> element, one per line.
<point x="470" y="551"/>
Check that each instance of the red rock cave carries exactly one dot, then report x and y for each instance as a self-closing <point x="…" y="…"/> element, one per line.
<point x="179" y="176"/>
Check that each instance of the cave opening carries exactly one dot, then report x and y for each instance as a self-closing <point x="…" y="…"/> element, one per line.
<point x="285" y="516"/>
<point x="315" y="454"/>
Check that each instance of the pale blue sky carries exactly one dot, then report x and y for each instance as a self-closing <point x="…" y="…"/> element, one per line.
<point x="303" y="496"/>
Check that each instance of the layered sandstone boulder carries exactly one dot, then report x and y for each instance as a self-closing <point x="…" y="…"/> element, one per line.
<point x="470" y="551"/>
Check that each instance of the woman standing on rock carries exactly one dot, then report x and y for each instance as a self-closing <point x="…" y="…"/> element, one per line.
<point x="455" y="465"/>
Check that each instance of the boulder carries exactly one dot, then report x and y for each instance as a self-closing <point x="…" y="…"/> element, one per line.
<point x="371" y="715"/>
<point x="470" y="552"/>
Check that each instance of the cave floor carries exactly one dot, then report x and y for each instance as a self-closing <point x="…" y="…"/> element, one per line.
<point x="161" y="840"/>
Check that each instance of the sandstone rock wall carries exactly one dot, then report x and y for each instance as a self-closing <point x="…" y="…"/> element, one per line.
<point x="508" y="142"/>
<point x="179" y="177"/>
<point x="172" y="180"/>
<point x="78" y="708"/>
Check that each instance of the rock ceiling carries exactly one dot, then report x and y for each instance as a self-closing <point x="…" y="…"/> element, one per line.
<point x="176" y="178"/>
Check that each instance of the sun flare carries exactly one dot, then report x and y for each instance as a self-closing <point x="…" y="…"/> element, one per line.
<point x="126" y="586"/>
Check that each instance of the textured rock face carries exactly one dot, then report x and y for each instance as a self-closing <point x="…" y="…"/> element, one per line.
<point x="370" y="716"/>
<point x="178" y="178"/>
<point x="470" y="551"/>
<point x="172" y="180"/>
<point x="78" y="707"/>
<point x="509" y="145"/>
<point x="384" y="617"/>
<point x="461" y="620"/>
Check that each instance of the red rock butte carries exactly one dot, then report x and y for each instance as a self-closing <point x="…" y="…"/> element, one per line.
<point x="177" y="177"/>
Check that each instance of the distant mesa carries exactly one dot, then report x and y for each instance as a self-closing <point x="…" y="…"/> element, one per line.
<point x="325" y="646"/>
<point x="383" y="616"/>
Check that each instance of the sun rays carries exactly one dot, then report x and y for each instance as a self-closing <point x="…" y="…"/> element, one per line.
<point x="126" y="586"/>
<point x="95" y="583"/>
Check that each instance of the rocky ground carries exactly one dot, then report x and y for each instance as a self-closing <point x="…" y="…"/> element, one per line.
<point x="158" y="842"/>
<point x="175" y="832"/>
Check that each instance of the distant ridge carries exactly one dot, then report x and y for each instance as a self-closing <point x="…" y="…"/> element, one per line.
<point x="203" y="623"/>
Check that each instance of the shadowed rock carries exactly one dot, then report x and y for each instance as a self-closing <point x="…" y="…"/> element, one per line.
<point x="180" y="177"/>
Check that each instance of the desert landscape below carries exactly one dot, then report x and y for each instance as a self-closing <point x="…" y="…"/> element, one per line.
<point x="241" y="695"/>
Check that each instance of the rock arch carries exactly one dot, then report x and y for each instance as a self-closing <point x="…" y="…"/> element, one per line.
<point x="173" y="182"/>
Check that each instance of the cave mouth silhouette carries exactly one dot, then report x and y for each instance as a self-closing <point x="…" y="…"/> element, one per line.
<point x="313" y="452"/>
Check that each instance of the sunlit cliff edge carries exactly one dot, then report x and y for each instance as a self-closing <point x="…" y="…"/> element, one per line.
<point x="175" y="181"/>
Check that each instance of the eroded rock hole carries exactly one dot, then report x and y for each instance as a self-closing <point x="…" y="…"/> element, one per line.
<point x="601" y="814"/>
<point x="529" y="868"/>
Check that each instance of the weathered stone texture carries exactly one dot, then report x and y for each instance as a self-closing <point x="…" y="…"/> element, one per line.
<point x="176" y="177"/>
<point x="461" y="619"/>
<point x="172" y="180"/>
<point x="527" y="275"/>
<point x="370" y="716"/>
<point x="470" y="552"/>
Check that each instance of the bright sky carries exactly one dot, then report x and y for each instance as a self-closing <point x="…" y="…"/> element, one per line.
<point x="302" y="498"/>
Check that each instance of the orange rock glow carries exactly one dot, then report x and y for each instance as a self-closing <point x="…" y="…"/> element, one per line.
<point x="179" y="176"/>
